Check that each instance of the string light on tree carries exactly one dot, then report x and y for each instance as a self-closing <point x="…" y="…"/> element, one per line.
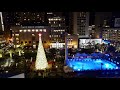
<point x="41" y="61"/>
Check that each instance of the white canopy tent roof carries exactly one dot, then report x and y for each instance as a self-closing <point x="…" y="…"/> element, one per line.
<point x="18" y="76"/>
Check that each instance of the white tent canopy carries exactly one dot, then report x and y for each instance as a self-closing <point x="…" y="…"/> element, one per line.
<point x="18" y="76"/>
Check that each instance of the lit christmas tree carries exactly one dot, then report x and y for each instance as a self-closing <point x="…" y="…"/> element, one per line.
<point x="41" y="61"/>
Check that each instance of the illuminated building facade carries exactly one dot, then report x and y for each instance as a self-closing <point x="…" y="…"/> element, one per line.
<point x="79" y="23"/>
<point x="102" y="19"/>
<point x="72" y="41"/>
<point x="57" y="32"/>
<point x="28" y="35"/>
<point x="23" y="19"/>
<point x="92" y="31"/>
<point x="111" y="34"/>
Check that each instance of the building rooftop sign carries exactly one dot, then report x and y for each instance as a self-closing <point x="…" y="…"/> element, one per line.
<point x="33" y="27"/>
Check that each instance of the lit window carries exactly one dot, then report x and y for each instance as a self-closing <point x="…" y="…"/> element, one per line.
<point x="16" y="34"/>
<point x="36" y="30"/>
<point x="28" y="30"/>
<point x="28" y="19"/>
<point x="40" y="30"/>
<point x="33" y="34"/>
<point x="20" y="30"/>
<point x="82" y="20"/>
<point x="49" y="35"/>
<point x="17" y="38"/>
<point x="25" y="19"/>
<point x="33" y="30"/>
<point x="49" y="22"/>
<point x="44" y="30"/>
<point x="12" y="34"/>
<point x="34" y="42"/>
<point x="25" y="30"/>
<point x="54" y="22"/>
<point x="34" y="46"/>
<point x="17" y="41"/>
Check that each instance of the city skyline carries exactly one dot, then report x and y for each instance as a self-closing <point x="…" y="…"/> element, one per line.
<point x="70" y="43"/>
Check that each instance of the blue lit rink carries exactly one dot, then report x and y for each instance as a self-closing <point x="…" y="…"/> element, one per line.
<point x="89" y="64"/>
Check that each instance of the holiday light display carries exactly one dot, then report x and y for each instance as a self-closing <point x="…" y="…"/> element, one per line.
<point x="41" y="61"/>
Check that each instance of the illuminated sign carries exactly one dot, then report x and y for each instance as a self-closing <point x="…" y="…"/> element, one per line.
<point x="85" y="42"/>
<point x="33" y="27"/>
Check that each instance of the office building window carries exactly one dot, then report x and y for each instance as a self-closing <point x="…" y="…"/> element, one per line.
<point x="16" y="34"/>
<point x="44" y="30"/>
<point x="33" y="34"/>
<point x="33" y="41"/>
<point x="25" y="30"/>
<point x="20" y="30"/>
<point x="28" y="30"/>
<point x="40" y="30"/>
<point x="17" y="38"/>
<point x="33" y="30"/>
<point x="36" y="30"/>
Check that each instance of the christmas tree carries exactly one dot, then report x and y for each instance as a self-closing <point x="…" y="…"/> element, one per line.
<point x="41" y="61"/>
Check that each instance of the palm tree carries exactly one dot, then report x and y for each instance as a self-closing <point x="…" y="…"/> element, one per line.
<point x="10" y="50"/>
<point x="1" y="52"/>
<point x="19" y="50"/>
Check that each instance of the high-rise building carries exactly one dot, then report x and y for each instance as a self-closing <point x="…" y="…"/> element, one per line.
<point x="58" y="31"/>
<point x="112" y="34"/>
<point x="102" y="19"/>
<point x="79" y="23"/>
<point x="92" y="31"/>
<point x="28" y="35"/>
<point x="23" y="19"/>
